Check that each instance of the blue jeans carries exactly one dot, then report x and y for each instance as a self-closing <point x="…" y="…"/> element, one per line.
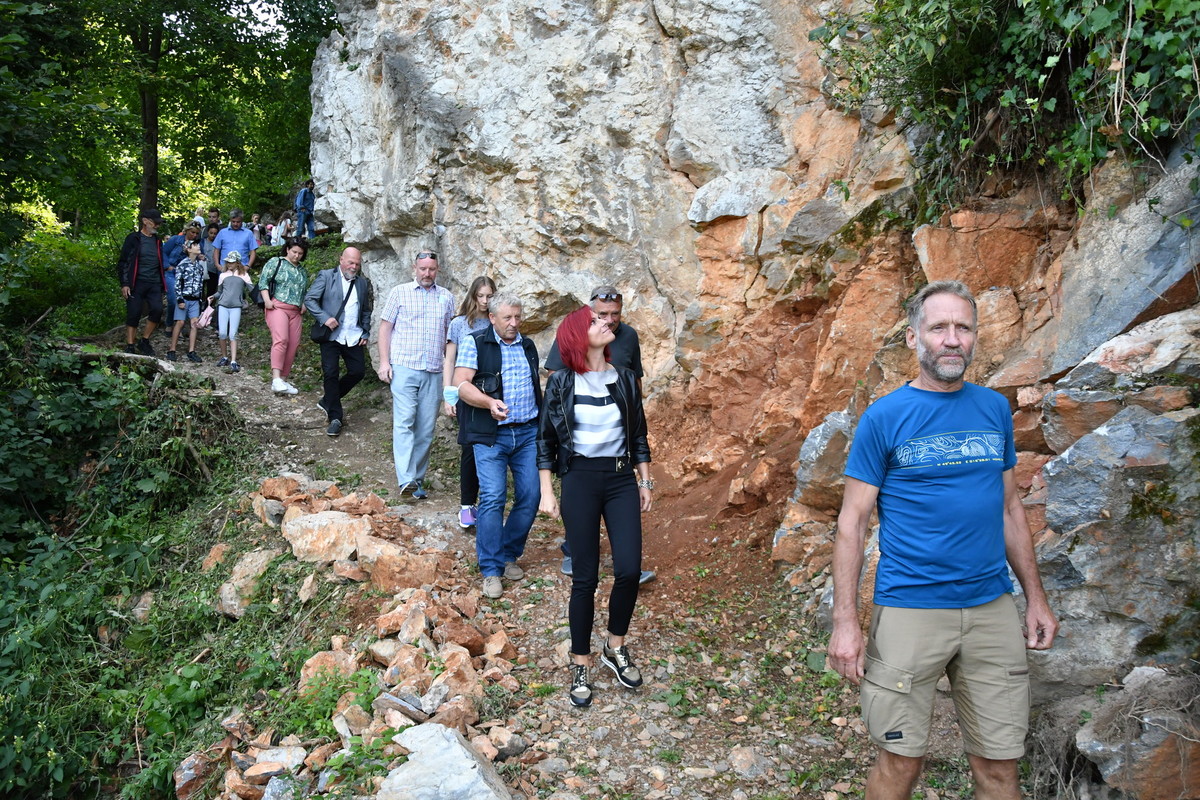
<point x="304" y="224"/>
<point x="499" y="540"/>
<point x="416" y="397"/>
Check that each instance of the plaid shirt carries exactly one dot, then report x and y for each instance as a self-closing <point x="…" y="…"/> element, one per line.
<point x="514" y="374"/>
<point x="419" y="320"/>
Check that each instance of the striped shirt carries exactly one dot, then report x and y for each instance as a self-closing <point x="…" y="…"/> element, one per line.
<point x="514" y="375"/>
<point x="419" y="320"/>
<point x="598" y="431"/>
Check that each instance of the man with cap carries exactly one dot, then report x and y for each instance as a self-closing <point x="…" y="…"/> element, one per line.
<point x="143" y="281"/>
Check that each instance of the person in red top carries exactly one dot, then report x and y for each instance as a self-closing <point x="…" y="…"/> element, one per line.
<point x="143" y="280"/>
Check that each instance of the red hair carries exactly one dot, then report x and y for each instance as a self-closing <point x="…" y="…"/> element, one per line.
<point x="572" y="338"/>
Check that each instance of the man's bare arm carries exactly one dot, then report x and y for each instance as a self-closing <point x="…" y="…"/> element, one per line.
<point x="1040" y="623"/>
<point x="847" y="648"/>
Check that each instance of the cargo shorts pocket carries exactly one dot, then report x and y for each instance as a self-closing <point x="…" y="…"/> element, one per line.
<point x="887" y="708"/>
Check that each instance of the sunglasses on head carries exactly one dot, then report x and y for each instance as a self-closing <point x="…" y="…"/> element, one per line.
<point x="426" y="255"/>
<point x="608" y="297"/>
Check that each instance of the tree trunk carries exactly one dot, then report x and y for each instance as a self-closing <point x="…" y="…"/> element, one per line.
<point x="147" y="41"/>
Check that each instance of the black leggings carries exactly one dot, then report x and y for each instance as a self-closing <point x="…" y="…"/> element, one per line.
<point x="148" y="294"/>
<point x="468" y="478"/>
<point x="592" y="489"/>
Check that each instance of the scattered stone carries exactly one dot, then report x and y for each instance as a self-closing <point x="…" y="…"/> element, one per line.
<point x="345" y="570"/>
<point x="461" y="633"/>
<point x="324" y="536"/>
<point x="360" y="504"/>
<point x="498" y="645"/>
<point x="308" y="589"/>
<point x="507" y="743"/>
<point x="747" y="763"/>
<point x="699" y="772"/>
<point x="233" y="598"/>
<point x="262" y="772"/>
<point x="235" y="783"/>
<point x="279" y="488"/>
<point x="238" y="726"/>
<point x="270" y="512"/>
<point x="335" y="661"/>
<point x="191" y="774"/>
<point x="215" y="556"/>
<point x="441" y="766"/>
<point x="281" y="788"/>
<point x="318" y="757"/>
<point x="385" y="702"/>
<point x="141" y="606"/>
<point x="483" y="745"/>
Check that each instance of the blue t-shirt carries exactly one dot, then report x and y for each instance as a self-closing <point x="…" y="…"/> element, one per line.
<point x="243" y="241"/>
<point x="938" y="459"/>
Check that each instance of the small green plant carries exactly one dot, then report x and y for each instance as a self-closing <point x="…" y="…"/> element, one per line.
<point x="670" y="756"/>
<point x="542" y="689"/>
<point x="497" y="702"/>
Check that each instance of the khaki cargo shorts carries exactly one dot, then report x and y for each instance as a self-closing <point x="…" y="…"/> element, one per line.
<point x="982" y="652"/>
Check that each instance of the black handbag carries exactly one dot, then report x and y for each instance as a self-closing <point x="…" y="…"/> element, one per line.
<point x="256" y="294"/>
<point x="319" y="331"/>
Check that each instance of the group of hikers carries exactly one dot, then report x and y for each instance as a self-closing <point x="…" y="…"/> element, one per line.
<point x="934" y="459"/>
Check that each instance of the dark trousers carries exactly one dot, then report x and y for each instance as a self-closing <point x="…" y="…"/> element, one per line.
<point x="332" y="354"/>
<point x="144" y="295"/>
<point x="468" y="478"/>
<point x="592" y="489"/>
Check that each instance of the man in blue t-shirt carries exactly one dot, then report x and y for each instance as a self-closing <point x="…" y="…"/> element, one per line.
<point x="235" y="237"/>
<point x="936" y="458"/>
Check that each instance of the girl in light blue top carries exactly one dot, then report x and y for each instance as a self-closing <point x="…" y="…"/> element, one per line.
<point x="472" y="317"/>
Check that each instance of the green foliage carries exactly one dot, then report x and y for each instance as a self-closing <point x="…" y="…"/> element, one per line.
<point x="75" y="281"/>
<point x="1004" y="83"/>
<point x="309" y="711"/>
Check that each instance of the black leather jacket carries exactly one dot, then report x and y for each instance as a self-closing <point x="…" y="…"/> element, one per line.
<point x="554" y="450"/>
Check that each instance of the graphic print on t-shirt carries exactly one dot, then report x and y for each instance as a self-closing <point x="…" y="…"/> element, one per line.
<point x="950" y="449"/>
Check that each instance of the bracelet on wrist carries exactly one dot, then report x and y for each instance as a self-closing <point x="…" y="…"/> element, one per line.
<point x="645" y="483"/>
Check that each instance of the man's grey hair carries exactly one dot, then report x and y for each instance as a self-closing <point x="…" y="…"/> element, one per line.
<point x="916" y="304"/>
<point x="236" y="213"/>
<point x="606" y="289"/>
<point x="504" y="299"/>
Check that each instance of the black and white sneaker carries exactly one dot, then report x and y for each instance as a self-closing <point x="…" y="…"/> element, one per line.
<point x="617" y="659"/>
<point x="581" y="690"/>
<point x="224" y="361"/>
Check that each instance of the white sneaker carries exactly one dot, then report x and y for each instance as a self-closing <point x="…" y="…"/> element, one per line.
<point x="280" y="386"/>
<point x="291" y="389"/>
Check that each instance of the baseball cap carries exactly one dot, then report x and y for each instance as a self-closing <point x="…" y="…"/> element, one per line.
<point x="150" y="213"/>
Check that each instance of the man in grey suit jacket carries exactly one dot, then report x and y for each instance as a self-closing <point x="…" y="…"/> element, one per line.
<point x="349" y="330"/>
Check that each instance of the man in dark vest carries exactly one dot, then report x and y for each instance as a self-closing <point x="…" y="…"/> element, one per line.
<point x="496" y="373"/>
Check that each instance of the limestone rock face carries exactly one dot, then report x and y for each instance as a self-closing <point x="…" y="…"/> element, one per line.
<point x="560" y="145"/>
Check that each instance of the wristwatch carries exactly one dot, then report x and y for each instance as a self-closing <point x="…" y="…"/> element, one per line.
<point x="645" y="483"/>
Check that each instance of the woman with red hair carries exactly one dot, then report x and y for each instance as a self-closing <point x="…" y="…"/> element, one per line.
<point x="592" y="434"/>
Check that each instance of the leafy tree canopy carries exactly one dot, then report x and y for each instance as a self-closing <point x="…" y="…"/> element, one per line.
<point x="103" y="104"/>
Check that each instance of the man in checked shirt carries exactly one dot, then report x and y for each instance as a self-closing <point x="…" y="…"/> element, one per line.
<point x="412" y="344"/>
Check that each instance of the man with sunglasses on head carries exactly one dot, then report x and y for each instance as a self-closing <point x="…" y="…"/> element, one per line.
<point x="626" y="352"/>
<point x="412" y="346"/>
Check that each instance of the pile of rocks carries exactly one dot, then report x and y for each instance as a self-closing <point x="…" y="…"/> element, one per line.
<point x="432" y="658"/>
